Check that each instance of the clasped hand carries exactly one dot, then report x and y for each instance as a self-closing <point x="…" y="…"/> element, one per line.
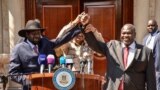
<point x="84" y="19"/>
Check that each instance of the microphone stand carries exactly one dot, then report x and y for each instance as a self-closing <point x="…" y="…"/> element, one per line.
<point x="41" y="68"/>
<point x="49" y="68"/>
<point x="69" y="62"/>
<point x="30" y="82"/>
<point x="82" y="66"/>
<point x="4" y="81"/>
<point x="63" y="65"/>
<point x="82" y="63"/>
<point x="89" y="68"/>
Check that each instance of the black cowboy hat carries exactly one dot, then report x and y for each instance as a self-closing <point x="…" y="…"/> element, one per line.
<point x="31" y="25"/>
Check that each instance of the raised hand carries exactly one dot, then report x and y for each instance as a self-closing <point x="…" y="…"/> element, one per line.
<point x="90" y="28"/>
<point x="85" y="18"/>
<point x="78" y="19"/>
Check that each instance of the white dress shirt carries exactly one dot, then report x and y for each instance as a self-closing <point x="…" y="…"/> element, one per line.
<point x="132" y="50"/>
<point x="150" y="40"/>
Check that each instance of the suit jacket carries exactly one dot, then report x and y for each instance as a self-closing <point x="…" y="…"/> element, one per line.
<point x="24" y="61"/>
<point x="146" y="37"/>
<point x="141" y="71"/>
<point x="156" y="49"/>
<point x="156" y="53"/>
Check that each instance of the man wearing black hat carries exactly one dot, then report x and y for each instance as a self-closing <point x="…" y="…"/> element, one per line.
<point x="24" y="57"/>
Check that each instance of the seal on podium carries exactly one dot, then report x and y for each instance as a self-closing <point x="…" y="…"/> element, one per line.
<point x="63" y="79"/>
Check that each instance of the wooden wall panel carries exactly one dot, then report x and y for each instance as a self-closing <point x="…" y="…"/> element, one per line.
<point x="103" y="17"/>
<point x="30" y="9"/>
<point x="104" y="20"/>
<point x="55" y="17"/>
<point x="127" y="10"/>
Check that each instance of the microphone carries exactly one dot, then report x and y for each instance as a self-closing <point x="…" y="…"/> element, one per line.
<point x="85" y="55"/>
<point x="83" y="61"/>
<point x="62" y="61"/>
<point x="41" y="61"/>
<point x="50" y="62"/>
<point x="87" y="58"/>
<point x="82" y="64"/>
<point x="69" y="62"/>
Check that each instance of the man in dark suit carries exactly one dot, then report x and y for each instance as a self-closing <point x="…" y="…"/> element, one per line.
<point x="136" y="72"/>
<point x="24" y="57"/>
<point x="151" y="40"/>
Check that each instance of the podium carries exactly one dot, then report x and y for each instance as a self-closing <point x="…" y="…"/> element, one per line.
<point x="83" y="82"/>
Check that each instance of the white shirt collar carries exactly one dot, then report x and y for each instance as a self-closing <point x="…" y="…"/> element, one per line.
<point x="131" y="46"/>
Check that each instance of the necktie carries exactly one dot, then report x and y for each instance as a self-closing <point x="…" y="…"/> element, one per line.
<point x="125" y="58"/>
<point x="35" y="48"/>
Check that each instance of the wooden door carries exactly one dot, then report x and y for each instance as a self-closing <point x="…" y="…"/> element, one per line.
<point x="53" y="14"/>
<point x="104" y="17"/>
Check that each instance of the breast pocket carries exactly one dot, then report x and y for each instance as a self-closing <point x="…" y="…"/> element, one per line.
<point x="140" y="66"/>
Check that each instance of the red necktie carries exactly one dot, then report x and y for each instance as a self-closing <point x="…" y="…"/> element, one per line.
<point x="35" y="48"/>
<point x="125" y="58"/>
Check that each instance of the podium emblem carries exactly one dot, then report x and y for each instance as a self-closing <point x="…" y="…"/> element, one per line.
<point x="63" y="79"/>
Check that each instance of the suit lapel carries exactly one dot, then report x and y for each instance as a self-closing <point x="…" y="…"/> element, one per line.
<point x="28" y="47"/>
<point x="157" y="34"/>
<point x="116" y="53"/>
<point x="120" y="54"/>
<point x="137" y="53"/>
<point x="145" y="40"/>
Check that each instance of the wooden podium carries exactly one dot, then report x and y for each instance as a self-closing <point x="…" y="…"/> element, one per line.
<point x="83" y="82"/>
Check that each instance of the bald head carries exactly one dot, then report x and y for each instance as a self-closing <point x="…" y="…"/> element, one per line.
<point x="152" y="26"/>
<point x="152" y="21"/>
<point x="129" y="26"/>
